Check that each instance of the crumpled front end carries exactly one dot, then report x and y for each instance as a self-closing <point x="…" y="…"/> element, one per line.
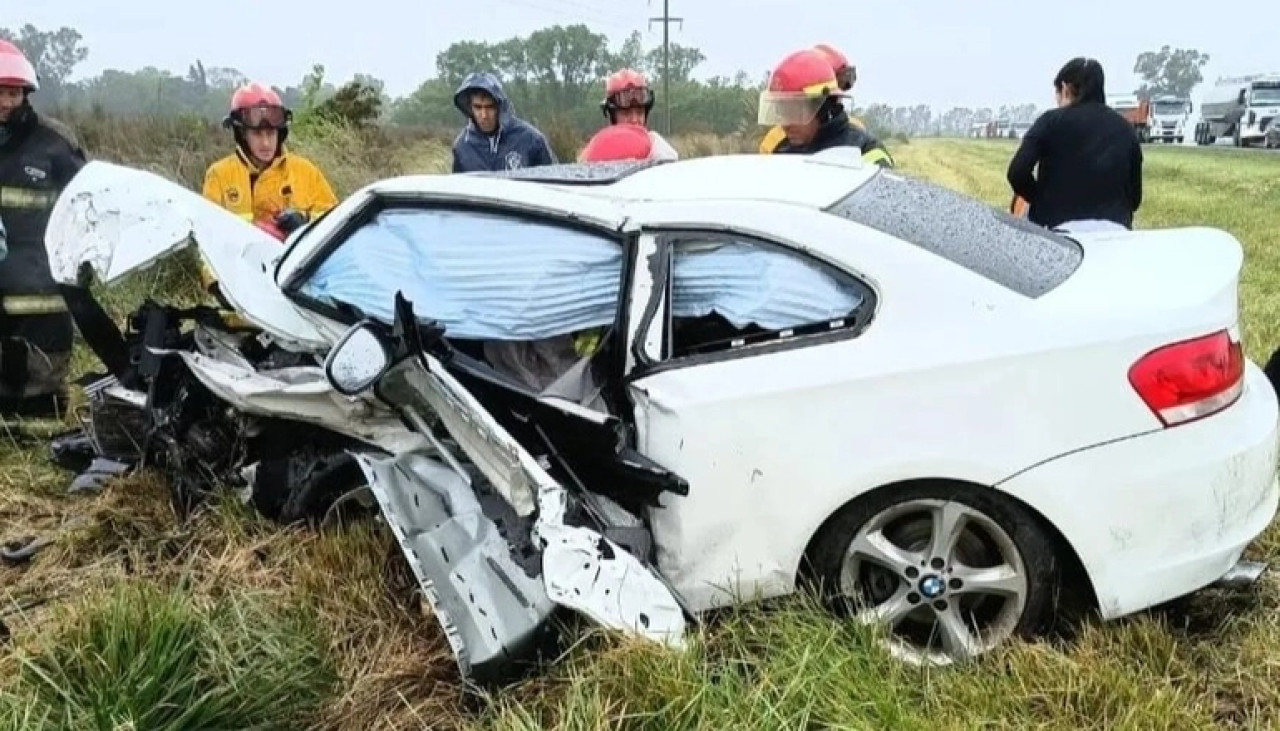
<point x="498" y="544"/>
<point x="117" y="220"/>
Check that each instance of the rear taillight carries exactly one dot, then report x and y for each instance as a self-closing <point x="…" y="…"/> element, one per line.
<point x="1191" y="379"/>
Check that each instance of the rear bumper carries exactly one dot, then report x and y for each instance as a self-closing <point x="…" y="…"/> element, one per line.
<point x="1160" y="515"/>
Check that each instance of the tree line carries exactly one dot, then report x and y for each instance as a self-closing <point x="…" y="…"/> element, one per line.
<point x="554" y="77"/>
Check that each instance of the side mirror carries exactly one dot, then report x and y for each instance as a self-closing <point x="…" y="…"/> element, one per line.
<point x="358" y="360"/>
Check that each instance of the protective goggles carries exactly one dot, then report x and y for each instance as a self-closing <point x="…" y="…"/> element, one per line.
<point x="264" y="117"/>
<point x="633" y="97"/>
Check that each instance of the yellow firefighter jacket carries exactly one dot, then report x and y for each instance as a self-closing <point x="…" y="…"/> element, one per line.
<point x="290" y="181"/>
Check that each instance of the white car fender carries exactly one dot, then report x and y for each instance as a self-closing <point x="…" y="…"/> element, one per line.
<point x="304" y="394"/>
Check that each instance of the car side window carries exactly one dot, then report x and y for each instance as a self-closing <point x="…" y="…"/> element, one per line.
<point x="730" y="292"/>
<point x="482" y="275"/>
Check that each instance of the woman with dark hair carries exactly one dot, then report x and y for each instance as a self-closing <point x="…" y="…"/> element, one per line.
<point x="1089" y="156"/>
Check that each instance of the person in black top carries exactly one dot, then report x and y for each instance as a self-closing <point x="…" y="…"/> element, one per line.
<point x="37" y="160"/>
<point x="1089" y="156"/>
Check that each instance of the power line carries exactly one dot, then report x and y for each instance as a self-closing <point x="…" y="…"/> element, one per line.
<point x="666" y="21"/>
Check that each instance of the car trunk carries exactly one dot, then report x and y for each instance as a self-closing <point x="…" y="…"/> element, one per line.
<point x="1164" y="283"/>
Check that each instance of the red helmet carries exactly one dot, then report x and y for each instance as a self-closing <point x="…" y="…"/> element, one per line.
<point x="15" y="69"/>
<point x="797" y="89"/>
<point x="618" y="142"/>
<point x="625" y="89"/>
<point x="846" y="73"/>
<point x="257" y="106"/>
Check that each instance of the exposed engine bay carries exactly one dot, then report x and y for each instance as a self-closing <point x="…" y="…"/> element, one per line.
<point x="153" y="411"/>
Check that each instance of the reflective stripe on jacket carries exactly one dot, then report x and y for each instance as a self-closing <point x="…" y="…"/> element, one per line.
<point x="839" y="131"/>
<point x="775" y="136"/>
<point x="36" y="163"/>
<point x="37" y="160"/>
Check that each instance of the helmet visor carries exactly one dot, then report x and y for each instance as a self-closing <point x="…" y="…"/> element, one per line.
<point x="787" y="107"/>
<point x="264" y="117"/>
<point x="633" y="97"/>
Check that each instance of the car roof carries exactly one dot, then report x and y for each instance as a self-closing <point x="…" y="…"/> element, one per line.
<point x="816" y="181"/>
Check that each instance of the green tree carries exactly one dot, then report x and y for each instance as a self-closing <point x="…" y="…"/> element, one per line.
<point x="1169" y="71"/>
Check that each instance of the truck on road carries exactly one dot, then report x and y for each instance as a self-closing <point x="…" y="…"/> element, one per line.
<point x="1170" y="117"/>
<point x="1240" y="107"/>
<point x="1134" y="109"/>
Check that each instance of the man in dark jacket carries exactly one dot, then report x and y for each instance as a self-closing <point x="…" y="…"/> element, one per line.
<point x="1089" y="156"/>
<point x="494" y="138"/>
<point x="37" y="161"/>
<point x="803" y="99"/>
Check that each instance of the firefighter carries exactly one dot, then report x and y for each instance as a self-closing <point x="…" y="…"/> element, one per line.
<point x="846" y="77"/>
<point x="628" y="99"/>
<point x="261" y="181"/>
<point x="37" y="160"/>
<point x="803" y="98"/>
<point x="622" y="141"/>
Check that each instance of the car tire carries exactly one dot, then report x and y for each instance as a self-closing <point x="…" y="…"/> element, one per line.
<point x="928" y="597"/>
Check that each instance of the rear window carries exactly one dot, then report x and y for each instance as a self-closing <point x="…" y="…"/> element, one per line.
<point x="1010" y="251"/>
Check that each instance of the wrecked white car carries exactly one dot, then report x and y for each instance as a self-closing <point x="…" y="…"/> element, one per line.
<point x="643" y="391"/>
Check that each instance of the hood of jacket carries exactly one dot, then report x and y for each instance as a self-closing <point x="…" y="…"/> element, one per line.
<point x="487" y="82"/>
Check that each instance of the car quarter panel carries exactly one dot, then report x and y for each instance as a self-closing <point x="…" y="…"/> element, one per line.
<point x="1157" y="516"/>
<point x="955" y="377"/>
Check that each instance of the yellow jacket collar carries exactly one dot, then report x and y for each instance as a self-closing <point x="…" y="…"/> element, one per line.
<point x="252" y="166"/>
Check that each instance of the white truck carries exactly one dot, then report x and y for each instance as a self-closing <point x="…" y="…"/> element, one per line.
<point x="1170" y="116"/>
<point x="1240" y="107"/>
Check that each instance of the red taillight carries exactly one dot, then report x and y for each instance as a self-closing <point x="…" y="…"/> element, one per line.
<point x="1192" y="379"/>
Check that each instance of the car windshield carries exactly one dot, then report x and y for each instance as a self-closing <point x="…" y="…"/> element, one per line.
<point x="1265" y="96"/>
<point x="492" y="276"/>
<point x="1169" y="107"/>
<point x="1011" y="252"/>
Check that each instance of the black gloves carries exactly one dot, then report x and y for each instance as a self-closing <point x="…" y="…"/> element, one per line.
<point x="290" y="219"/>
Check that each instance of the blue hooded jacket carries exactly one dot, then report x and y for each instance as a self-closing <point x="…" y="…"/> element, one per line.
<point x="515" y="144"/>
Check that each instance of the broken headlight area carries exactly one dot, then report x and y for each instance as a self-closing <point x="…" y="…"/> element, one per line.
<point x="151" y="410"/>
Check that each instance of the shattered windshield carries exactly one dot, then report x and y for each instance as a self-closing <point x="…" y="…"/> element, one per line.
<point x="489" y="276"/>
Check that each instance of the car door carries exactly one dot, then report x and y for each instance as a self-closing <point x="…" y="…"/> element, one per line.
<point x="580" y="566"/>
<point x="726" y="333"/>
<point x="457" y="282"/>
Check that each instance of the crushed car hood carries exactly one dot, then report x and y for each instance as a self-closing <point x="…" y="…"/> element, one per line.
<point x="120" y="220"/>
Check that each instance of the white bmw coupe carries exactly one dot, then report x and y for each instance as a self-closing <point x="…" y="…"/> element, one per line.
<point x="642" y="391"/>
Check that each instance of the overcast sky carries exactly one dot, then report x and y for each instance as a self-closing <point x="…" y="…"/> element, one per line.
<point x="938" y="52"/>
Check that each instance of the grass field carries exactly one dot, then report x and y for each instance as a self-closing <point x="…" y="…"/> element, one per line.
<point x="134" y="621"/>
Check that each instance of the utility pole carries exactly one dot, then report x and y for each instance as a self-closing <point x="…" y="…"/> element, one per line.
<point x="666" y="21"/>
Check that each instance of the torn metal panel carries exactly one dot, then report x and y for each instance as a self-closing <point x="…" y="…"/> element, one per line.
<point x="583" y="570"/>
<point x="491" y="610"/>
<point x="120" y="220"/>
<point x="300" y="394"/>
